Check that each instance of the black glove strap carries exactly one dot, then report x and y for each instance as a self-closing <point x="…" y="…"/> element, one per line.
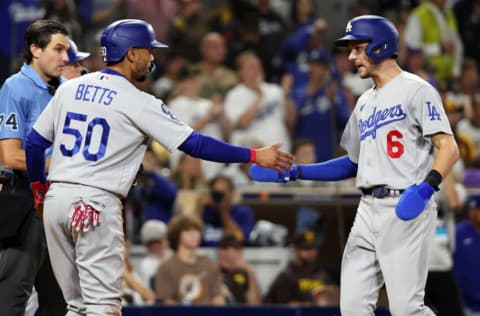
<point x="299" y="172"/>
<point x="434" y="178"/>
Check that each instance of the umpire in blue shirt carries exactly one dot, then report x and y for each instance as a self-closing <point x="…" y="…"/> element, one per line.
<point x="24" y="260"/>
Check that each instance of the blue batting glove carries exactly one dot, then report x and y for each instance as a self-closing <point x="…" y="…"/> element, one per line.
<point x="262" y="174"/>
<point x="413" y="201"/>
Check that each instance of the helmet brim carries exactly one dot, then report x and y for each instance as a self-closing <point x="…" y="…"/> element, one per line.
<point x="343" y="41"/>
<point x="157" y="44"/>
<point x="79" y="56"/>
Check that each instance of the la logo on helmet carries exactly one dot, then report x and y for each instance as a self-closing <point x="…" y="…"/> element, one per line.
<point x="349" y="27"/>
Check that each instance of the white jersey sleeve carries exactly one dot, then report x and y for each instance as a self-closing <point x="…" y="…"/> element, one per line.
<point x="100" y="125"/>
<point x="429" y="112"/>
<point x="155" y="119"/>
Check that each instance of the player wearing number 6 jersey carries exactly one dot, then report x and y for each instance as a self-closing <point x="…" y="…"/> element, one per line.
<point x="100" y="125"/>
<point x="399" y="146"/>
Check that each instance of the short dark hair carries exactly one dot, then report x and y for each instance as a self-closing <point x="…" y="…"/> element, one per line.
<point x="231" y="240"/>
<point x="40" y="33"/>
<point x="225" y="178"/>
<point x="180" y="223"/>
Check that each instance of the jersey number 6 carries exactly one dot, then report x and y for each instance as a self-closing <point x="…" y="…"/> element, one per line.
<point x="87" y="154"/>
<point x="394" y="146"/>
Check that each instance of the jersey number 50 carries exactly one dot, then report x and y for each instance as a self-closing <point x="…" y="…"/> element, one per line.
<point x="395" y="148"/>
<point x="87" y="154"/>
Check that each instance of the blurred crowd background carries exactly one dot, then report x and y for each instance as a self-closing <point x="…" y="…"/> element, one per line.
<point x="254" y="72"/>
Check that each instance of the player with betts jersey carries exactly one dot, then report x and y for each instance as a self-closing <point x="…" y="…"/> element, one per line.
<point x="399" y="146"/>
<point x="100" y="126"/>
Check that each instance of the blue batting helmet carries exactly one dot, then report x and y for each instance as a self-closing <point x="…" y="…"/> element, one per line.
<point x="378" y="31"/>
<point x="122" y="35"/>
<point x="74" y="55"/>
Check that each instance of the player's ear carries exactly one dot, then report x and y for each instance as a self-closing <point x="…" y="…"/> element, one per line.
<point x="35" y="50"/>
<point x="130" y="55"/>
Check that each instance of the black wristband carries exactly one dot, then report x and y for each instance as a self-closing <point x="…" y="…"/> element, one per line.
<point x="434" y="178"/>
<point x="299" y="172"/>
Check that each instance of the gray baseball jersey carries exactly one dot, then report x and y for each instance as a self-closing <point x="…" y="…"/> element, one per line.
<point x="386" y="134"/>
<point x="100" y="123"/>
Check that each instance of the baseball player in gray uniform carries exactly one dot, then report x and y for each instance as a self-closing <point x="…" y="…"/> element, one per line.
<point x="100" y="125"/>
<point x="399" y="146"/>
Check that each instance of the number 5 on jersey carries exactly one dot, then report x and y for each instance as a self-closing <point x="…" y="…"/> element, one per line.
<point x="88" y="152"/>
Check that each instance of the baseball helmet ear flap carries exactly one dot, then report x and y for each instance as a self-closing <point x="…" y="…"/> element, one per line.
<point x="379" y="32"/>
<point x="120" y="36"/>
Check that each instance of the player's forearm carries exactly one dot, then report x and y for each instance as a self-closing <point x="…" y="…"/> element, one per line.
<point x="35" y="146"/>
<point x="15" y="160"/>
<point x="12" y="156"/>
<point x="447" y="153"/>
<point x="332" y="170"/>
<point x="209" y="148"/>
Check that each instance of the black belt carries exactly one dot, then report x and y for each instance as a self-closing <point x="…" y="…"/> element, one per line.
<point x="15" y="180"/>
<point x="381" y="191"/>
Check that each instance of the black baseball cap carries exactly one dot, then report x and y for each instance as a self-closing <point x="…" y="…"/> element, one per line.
<point x="231" y="240"/>
<point x="305" y="240"/>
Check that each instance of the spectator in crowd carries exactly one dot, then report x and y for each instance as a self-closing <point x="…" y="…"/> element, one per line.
<point x="153" y="235"/>
<point x="220" y="214"/>
<point x="164" y="86"/>
<point x="255" y="108"/>
<point x="466" y="86"/>
<point x="187" y="29"/>
<point x="15" y="17"/>
<point x="157" y="13"/>
<point x="135" y="291"/>
<point x="322" y="107"/>
<point x="272" y="29"/>
<point x="238" y="275"/>
<point x="469" y="26"/>
<point x="74" y="68"/>
<point x="432" y="27"/>
<point x="187" y="174"/>
<point x="302" y="12"/>
<point x="203" y="115"/>
<point x="304" y="281"/>
<point x="296" y="49"/>
<point x="441" y="290"/>
<point x="158" y="192"/>
<point x="415" y="63"/>
<point x="455" y="108"/>
<point x="94" y="16"/>
<point x="215" y="78"/>
<point x="152" y="197"/>
<point x="64" y="12"/>
<point x="186" y="277"/>
<point x="471" y="126"/>
<point x="308" y="218"/>
<point x="467" y="257"/>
